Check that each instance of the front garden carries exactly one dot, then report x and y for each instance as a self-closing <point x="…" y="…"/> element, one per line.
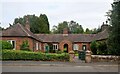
<point x="34" y="56"/>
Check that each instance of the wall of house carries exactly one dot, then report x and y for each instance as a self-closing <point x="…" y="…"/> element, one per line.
<point x="61" y="45"/>
<point x="19" y="41"/>
<point x="80" y="44"/>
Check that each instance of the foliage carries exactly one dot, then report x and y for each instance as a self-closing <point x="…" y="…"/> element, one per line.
<point x="114" y="36"/>
<point x="37" y="24"/>
<point x="99" y="47"/>
<point x="27" y="55"/>
<point x="1" y="28"/>
<point x="25" y="46"/>
<point x="6" y="45"/>
<point x="61" y="26"/>
<point x="73" y="28"/>
<point x="93" y="47"/>
<point x="102" y="48"/>
<point x="59" y="51"/>
<point x="93" y="31"/>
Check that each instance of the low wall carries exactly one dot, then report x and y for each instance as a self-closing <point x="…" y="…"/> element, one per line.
<point x="105" y="58"/>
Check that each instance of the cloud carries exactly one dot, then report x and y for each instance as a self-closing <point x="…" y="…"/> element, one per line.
<point x="85" y="12"/>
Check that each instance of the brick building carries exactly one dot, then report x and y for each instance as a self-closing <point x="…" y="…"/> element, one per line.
<point x="16" y="34"/>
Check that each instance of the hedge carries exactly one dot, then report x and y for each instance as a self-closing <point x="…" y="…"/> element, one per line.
<point x="5" y="45"/>
<point x="35" y="56"/>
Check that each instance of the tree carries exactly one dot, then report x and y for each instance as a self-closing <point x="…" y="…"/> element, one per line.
<point x="61" y="26"/>
<point x="1" y="28"/>
<point x="75" y="28"/>
<point x="37" y="24"/>
<point x="54" y="30"/>
<point x="114" y="36"/>
<point x="93" y="47"/>
<point x="87" y="31"/>
<point x="25" y="46"/>
<point x="72" y="26"/>
<point x="102" y="48"/>
<point x="44" y="24"/>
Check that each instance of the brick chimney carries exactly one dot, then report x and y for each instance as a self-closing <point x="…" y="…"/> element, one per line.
<point x="104" y="26"/>
<point x="27" y="24"/>
<point x="65" y="31"/>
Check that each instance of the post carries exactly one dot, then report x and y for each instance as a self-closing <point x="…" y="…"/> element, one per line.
<point x="72" y="55"/>
<point x="88" y="57"/>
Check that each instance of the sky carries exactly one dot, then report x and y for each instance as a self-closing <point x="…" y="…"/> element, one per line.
<point x="88" y="13"/>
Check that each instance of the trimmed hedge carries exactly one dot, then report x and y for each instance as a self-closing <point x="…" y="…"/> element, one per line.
<point x="35" y="56"/>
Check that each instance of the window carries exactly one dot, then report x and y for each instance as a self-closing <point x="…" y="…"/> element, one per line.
<point x="40" y="46"/>
<point x="36" y="46"/>
<point x="13" y="43"/>
<point x="84" y="47"/>
<point x="55" y="46"/>
<point x="75" y="47"/>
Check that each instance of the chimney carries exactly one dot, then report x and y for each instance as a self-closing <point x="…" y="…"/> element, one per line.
<point x="27" y="24"/>
<point x="104" y="26"/>
<point x="65" y="32"/>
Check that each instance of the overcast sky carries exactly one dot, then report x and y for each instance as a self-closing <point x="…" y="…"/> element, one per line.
<point x="88" y="13"/>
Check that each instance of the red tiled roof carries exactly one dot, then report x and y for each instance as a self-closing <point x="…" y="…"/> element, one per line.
<point x="18" y="30"/>
<point x="71" y="37"/>
<point x="102" y="35"/>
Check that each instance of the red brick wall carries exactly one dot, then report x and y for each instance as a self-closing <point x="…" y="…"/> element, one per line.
<point x="81" y="44"/>
<point x="19" y="41"/>
<point x="61" y="45"/>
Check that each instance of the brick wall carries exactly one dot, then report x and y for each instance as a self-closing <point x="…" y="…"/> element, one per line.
<point x="61" y="45"/>
<point x="19" y="41"/>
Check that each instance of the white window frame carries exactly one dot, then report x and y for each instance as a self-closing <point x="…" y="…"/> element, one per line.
<point x="75" y="47"/>
<point x="12" y="44"/>
<point x="37" y="45"/>
<point x="55" y="46"/>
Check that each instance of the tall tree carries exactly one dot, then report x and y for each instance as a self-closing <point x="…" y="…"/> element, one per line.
<point x="75" y="28"/>
<point x="61" y="26"/>
<point x="43" y="20"/>
<point x="72" y="26"/>
<point x="37" y="24"/>
<point x="114" y="37"/>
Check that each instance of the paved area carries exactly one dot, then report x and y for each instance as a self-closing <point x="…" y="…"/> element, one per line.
<point x="46" y="66"/>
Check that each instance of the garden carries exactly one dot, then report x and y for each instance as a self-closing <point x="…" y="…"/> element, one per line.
<point x="9" y="54"/>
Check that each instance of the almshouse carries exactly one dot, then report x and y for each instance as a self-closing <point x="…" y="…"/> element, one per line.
<point x="16" y="34"/>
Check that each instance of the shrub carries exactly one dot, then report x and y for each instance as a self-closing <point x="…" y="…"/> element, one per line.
<point x="102" y="48"/>
<point x="6" y="45"/>
<point x="93" y="47"/>
<point x="27" y="55"/>
<point x="25" y="46"/>
<point x="59" y="51"/>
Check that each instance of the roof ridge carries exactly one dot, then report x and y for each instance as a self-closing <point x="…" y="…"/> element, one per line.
<point x="24" y="29"/>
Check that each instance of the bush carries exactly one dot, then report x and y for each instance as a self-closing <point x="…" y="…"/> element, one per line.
<point x="27" y="55"/>
<point x="93" y="47"/>
<point x="6" y="45"/>
<point x="25" y="46"/>
<point x="102" y="48"/>
<point x="59" y="51"/>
